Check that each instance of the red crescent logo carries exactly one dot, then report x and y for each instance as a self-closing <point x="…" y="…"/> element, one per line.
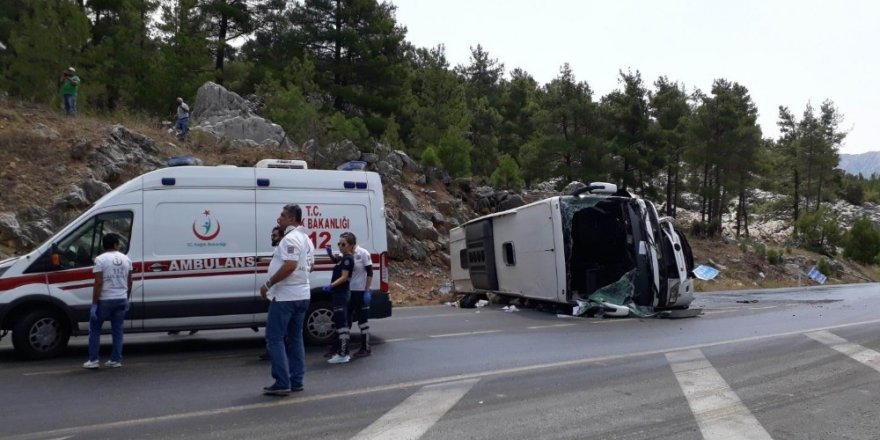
<point x="206" y="237"/>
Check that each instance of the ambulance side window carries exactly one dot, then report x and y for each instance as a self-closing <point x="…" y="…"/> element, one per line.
<point x="80" y="247"/>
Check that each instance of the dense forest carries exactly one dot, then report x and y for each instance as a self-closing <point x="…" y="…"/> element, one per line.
<point x="343" y="69"/>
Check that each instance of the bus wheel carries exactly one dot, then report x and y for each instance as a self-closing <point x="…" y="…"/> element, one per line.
<point x="41" y="334"/>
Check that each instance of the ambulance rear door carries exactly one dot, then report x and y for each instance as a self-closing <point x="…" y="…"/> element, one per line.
<point x="332" y="203"/>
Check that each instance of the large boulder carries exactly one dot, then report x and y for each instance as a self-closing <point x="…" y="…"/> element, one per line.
<point x="214" y="101"/>
<point x="407" y="199"/>
<point x="123" y="150"/>
<point x="416" y="226"/>
<point x="573" y="186"/>
<point x="510" y="202"/>
<point x="331" y="155"/>
<point x="10" y="229"/>
<point x="94" y="189"/>
<point x="229" y="117"/>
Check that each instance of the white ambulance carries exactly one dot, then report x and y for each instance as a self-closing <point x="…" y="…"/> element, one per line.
<point x="199" y="238"/>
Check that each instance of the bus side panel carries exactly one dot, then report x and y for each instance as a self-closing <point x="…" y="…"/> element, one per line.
<point x="525" y="252"/>
<point x="458" y="262"/>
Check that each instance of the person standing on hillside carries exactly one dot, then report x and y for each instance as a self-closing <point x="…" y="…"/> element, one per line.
<point x="182" y="124"/>
<point x="69" y="89"/>
<point x="110" y="300"/>
<point x="288" y="292"/>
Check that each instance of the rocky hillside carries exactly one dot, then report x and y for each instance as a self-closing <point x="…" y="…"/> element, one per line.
<point x="56" y="167"/>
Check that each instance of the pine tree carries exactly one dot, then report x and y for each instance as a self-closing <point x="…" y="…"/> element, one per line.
<point x="47" y="40"/>
<point x="670" y="110"/>
<point x="357" y="48"/>
<point x="434" y="102"/>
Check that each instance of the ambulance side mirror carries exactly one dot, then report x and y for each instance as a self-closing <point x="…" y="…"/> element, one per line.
<point x="55" y="259"/>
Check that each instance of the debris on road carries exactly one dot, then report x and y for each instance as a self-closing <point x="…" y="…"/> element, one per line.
<point x="704" y="272"/>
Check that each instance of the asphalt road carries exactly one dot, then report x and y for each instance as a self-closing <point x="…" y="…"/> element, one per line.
<point x="782" y="364"/>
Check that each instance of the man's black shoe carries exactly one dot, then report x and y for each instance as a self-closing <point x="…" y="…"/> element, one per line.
<point x="362" y="353"/>
<point x="276" y="391"/>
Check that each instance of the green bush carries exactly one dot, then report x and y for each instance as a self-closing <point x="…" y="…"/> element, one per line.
<point x="430" y="158"/>
<point x="819" y="231"/>
<point x="774" y="256"/>
<point x="862" y="242"/>
<point x="342" y="128"/>
<point x="454" y="152"/>
<point x="760" y="251"/>
<point x="824" y="266"/>
<point x="853" y="191"/>
<point x="507" y="174"/>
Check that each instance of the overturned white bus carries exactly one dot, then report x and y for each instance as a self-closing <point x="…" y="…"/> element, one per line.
<point x="564" y="248"/>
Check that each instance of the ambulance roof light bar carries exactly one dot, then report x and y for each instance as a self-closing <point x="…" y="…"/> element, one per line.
<point x="291" y="164"/>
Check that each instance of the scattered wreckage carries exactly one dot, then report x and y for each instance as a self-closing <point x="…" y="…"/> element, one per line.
<point x="598" y="250"/>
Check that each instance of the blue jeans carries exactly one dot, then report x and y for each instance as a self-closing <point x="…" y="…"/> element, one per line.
<point x="114" y="310"/>
<point x="182" y="127"/>
<point x="69" y="105"/>
<point x="288" y="362"/>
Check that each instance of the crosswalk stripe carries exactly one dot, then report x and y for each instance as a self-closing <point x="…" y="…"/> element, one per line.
<point x="864" y="355"/>
<point x="415" y="415"/>
<point x="718" y="411"/>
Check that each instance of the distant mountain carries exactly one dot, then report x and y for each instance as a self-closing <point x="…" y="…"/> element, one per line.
<point x="865" y="163"/>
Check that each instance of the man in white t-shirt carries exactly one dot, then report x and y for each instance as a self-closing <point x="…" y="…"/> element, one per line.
<point x="110" y="300"/>
<point x="288" y="292"/>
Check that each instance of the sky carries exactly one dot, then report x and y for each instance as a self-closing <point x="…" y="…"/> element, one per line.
<point x="784" y="52"/>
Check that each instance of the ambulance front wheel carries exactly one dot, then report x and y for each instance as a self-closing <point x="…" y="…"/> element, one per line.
<point x="40" y="334"/>
<point x="318" y="325"/>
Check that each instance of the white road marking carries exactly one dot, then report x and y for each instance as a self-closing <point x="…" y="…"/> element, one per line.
<point x="717" y="312"/>
<point x="864" y="355"/>
<point x="41" y="373"/>
<point x="414" y="416"/>
<point x="450" y="335"/>
<point x="717" y="409"/>
<point x="416" y="383"/>
<point x="440" y="315"/>
<point x="534" y="327"/>
<point x="399" y="340"/>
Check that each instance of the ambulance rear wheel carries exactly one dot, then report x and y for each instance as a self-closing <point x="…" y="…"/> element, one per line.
<point x="41" y="334"/>
<point x="318" y="325"/>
